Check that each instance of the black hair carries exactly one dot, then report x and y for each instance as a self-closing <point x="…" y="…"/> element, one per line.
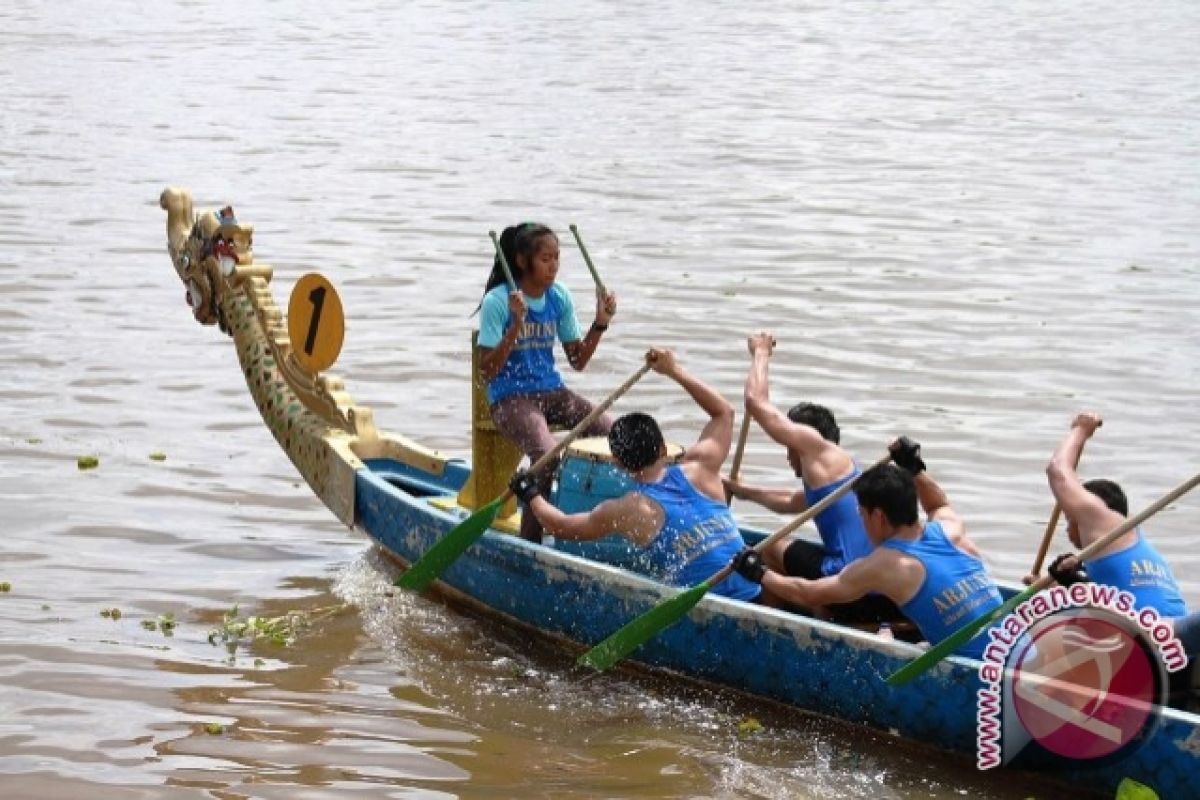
<point x="1110" y="493"/>
<point x="516" y="241"/>
<point x="890" y="490"/>
<point x="636" y="441"/>
<point x="818" y="417"/>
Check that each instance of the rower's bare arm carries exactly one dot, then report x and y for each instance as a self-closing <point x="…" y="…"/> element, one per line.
<point x="633" y="516"/>
<point x="1089" y="511"/>
<point x="936" y="505"/>
<point x="847" y="586"/>
<point x="781" y="501"/>
<point x="598" y="523"/>
<point x="715" y="439"/>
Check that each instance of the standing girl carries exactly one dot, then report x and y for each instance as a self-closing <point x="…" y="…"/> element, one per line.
<point x="517" y="330"/>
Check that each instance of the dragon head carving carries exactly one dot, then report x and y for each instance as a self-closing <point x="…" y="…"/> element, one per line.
<point x="205" y="251"/>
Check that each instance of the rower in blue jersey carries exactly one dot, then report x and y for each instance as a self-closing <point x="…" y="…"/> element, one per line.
<point x="1131" y="563"/>
<point x="676" y="513"/>
<point x="811" y="435"/>
<point x="930" y="569"/>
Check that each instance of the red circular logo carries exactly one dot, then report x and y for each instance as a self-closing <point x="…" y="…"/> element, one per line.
<point x="1084" y="686"/>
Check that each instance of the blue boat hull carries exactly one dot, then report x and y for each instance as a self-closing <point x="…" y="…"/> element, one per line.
<point x="806" y="663"/>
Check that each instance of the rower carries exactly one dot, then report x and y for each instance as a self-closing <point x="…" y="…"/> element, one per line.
<point x="676" y="513"/>
<point x="931" y="570"/>
<point x="810" y="434"/>
<point x="1131" y="563"/>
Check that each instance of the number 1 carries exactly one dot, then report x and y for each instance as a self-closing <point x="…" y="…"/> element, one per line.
<point x="317" y="298"/>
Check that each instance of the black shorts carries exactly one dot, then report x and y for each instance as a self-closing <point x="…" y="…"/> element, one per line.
<point x="802" y="559"/>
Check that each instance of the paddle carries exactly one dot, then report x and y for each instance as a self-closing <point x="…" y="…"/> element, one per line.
<point x="512" y="285"/>
<point x="738" y="452"/>
<point x="587" y="259"/>
<point x="967" y="632"/>
<point x="670" y="611"/>
<point x="448" y="548"/>
<point x="1050" y="526"/>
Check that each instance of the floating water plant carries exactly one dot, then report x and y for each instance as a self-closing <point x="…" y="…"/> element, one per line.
<point x="157" y="456"/>
<point x="87" y="462"/>
<point x="749" y="726"/>
<point x="5" y="586"/>
<point x="281" y="630"/>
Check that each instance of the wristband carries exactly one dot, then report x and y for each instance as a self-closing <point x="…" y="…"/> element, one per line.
<point x="599" y="327"/>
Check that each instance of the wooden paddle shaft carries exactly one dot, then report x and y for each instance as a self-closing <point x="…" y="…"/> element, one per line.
<point x="1125" y="527"/>
<point x="826" y="502"/>
<point x="587" y="259"/>
<point x="741" y="448"/>
<point x="738" y="452"/>
<point x="1048" y="536"/>
<point x="512" y="285"/>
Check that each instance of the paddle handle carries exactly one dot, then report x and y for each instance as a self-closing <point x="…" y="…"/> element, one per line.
<point x="1048" y="536"/>
<point x="592" y="416"/>
<point x="812" y="511"/>
<point x="587" y="259"/>
<point x="738" y="452"/>
<point x="508" y="276"/>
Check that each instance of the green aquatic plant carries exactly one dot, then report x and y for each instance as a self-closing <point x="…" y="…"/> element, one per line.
<point x="214" y="728"/>
<point x="5" y="586"/>
<point x="749" y="726"/>
<point x="110" y="613"/>
<point x="281" y="631"/>
<point x="87" y="462"/>
<point x="158" y="456"/>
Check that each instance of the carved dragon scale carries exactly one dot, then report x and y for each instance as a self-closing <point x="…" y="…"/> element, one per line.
<point x="311" y="416"/>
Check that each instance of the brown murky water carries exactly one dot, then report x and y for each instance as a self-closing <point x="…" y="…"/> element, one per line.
<point x="963" y="221"/>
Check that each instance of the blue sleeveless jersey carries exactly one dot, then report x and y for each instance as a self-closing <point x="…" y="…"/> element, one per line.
<point x="1141" y="571"/>
<point x="840" y="525"/>
<point x="955" y="591"/>
<point x="530" y="366"/>
<point x="698" y="537"/>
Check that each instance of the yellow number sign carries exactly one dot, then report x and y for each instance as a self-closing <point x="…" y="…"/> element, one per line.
<point x="315" y="322"/>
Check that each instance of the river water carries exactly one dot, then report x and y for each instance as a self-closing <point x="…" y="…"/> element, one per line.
<point x="964" y="221"/>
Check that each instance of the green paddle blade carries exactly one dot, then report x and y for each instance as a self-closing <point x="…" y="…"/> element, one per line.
<point x="448" y="548"/>
<point x="956" y="640"/>
<point x="642" y="629"/>
<point x="1129" y="789"/>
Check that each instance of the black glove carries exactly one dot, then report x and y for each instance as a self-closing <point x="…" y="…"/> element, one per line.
<point x="907" y="455"/>
<point x="1067" y="577"/>
<point x="749" y="564"/>
<point x="524" y="486"/>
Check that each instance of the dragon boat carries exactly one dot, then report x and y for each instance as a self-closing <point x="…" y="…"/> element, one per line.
<point x="404" y="496"/>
